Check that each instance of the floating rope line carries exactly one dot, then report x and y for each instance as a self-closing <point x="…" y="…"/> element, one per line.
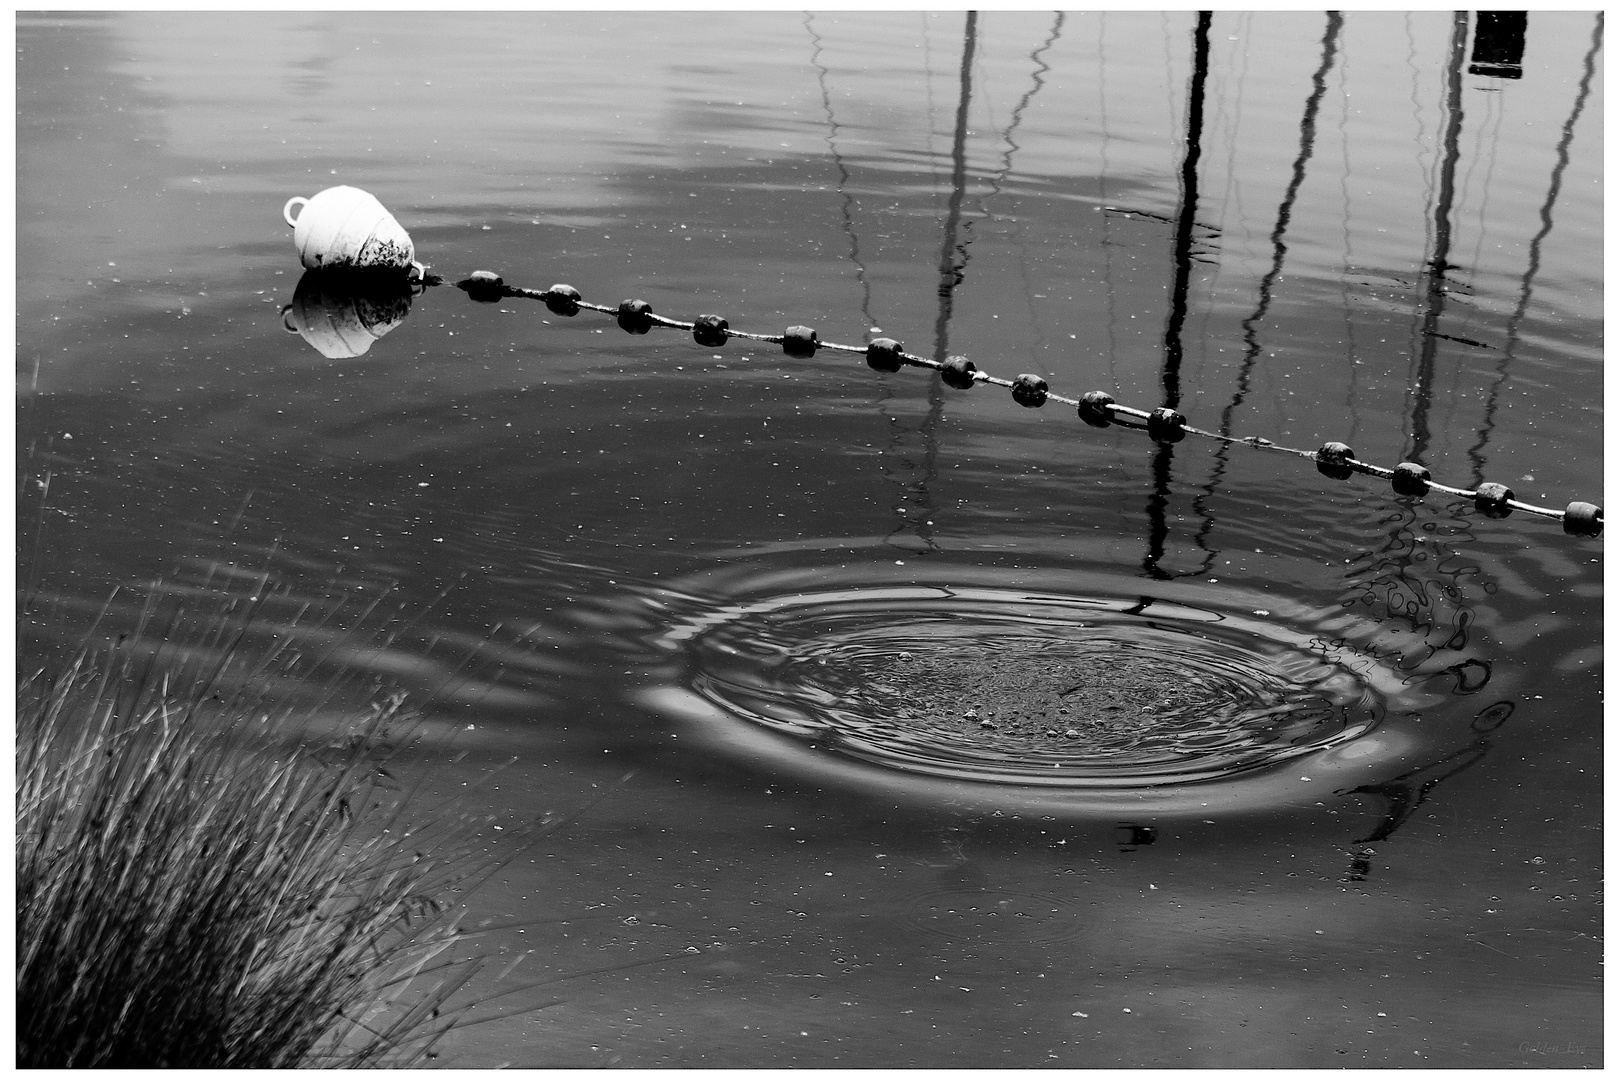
<point x="1098" y="409"/>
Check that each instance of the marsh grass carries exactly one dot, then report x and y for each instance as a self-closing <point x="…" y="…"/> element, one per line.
<point x="205" y="881"/>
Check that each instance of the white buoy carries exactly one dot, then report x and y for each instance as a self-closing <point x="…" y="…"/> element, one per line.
<point x="345" y="227"/>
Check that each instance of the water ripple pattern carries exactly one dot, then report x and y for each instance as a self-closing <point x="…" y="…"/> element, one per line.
<point x="1012" y="686"/>
<point x="1090" y="696"/>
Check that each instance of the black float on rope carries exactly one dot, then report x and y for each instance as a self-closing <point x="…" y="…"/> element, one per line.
<point x="1097" y="408"/>
<point x="363" y="236"/>
<point x="1583" y="519"/>
<point x="1494" y="500"/>
<point x="1166" y="426"/>
<point x="1094" y="408"/>
<point x="564" y="300"/>
<point x="883" y="354"/>
<point x="1333" y="461"/>
<point x="958" y="372"/>
<point x="1029" y="391"/>
<point x="635" y="316"/>
<point x="1409" y="478"/>
<point x="709" y="331"/>
<point x="800" y="342"/>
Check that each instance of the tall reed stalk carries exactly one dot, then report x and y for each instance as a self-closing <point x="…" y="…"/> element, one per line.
<point x="202" y="886"/>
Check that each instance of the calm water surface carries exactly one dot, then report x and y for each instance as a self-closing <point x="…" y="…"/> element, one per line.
<point x="709" y="568"/>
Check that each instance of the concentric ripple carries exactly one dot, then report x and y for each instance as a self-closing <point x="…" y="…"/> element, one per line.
<point x="1000" y="685"/>
<point x="983" y="692"/>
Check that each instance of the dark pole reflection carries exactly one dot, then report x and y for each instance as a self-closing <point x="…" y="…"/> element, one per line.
<point x="1279" y="251"/>
<point x="953" y="255"/>
<point x="1434" y="293"/>
<point x="1392" y="580"/>
<point x="1285" y="213"/>
<point x="894" y="459"/>
<point x="953" y="260"/>
<point x="847" y="205"/>
<point x="1158" y="529"/>
<point x="1182" y="251"/>
<point x="1110" y="295"/>
<point x="915" y="505"/>
<point x="1403" y="794"/>
<point x="1418" y="579"/>
<point x="1476" y="453"/>
<point x="1037" y="81"/>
